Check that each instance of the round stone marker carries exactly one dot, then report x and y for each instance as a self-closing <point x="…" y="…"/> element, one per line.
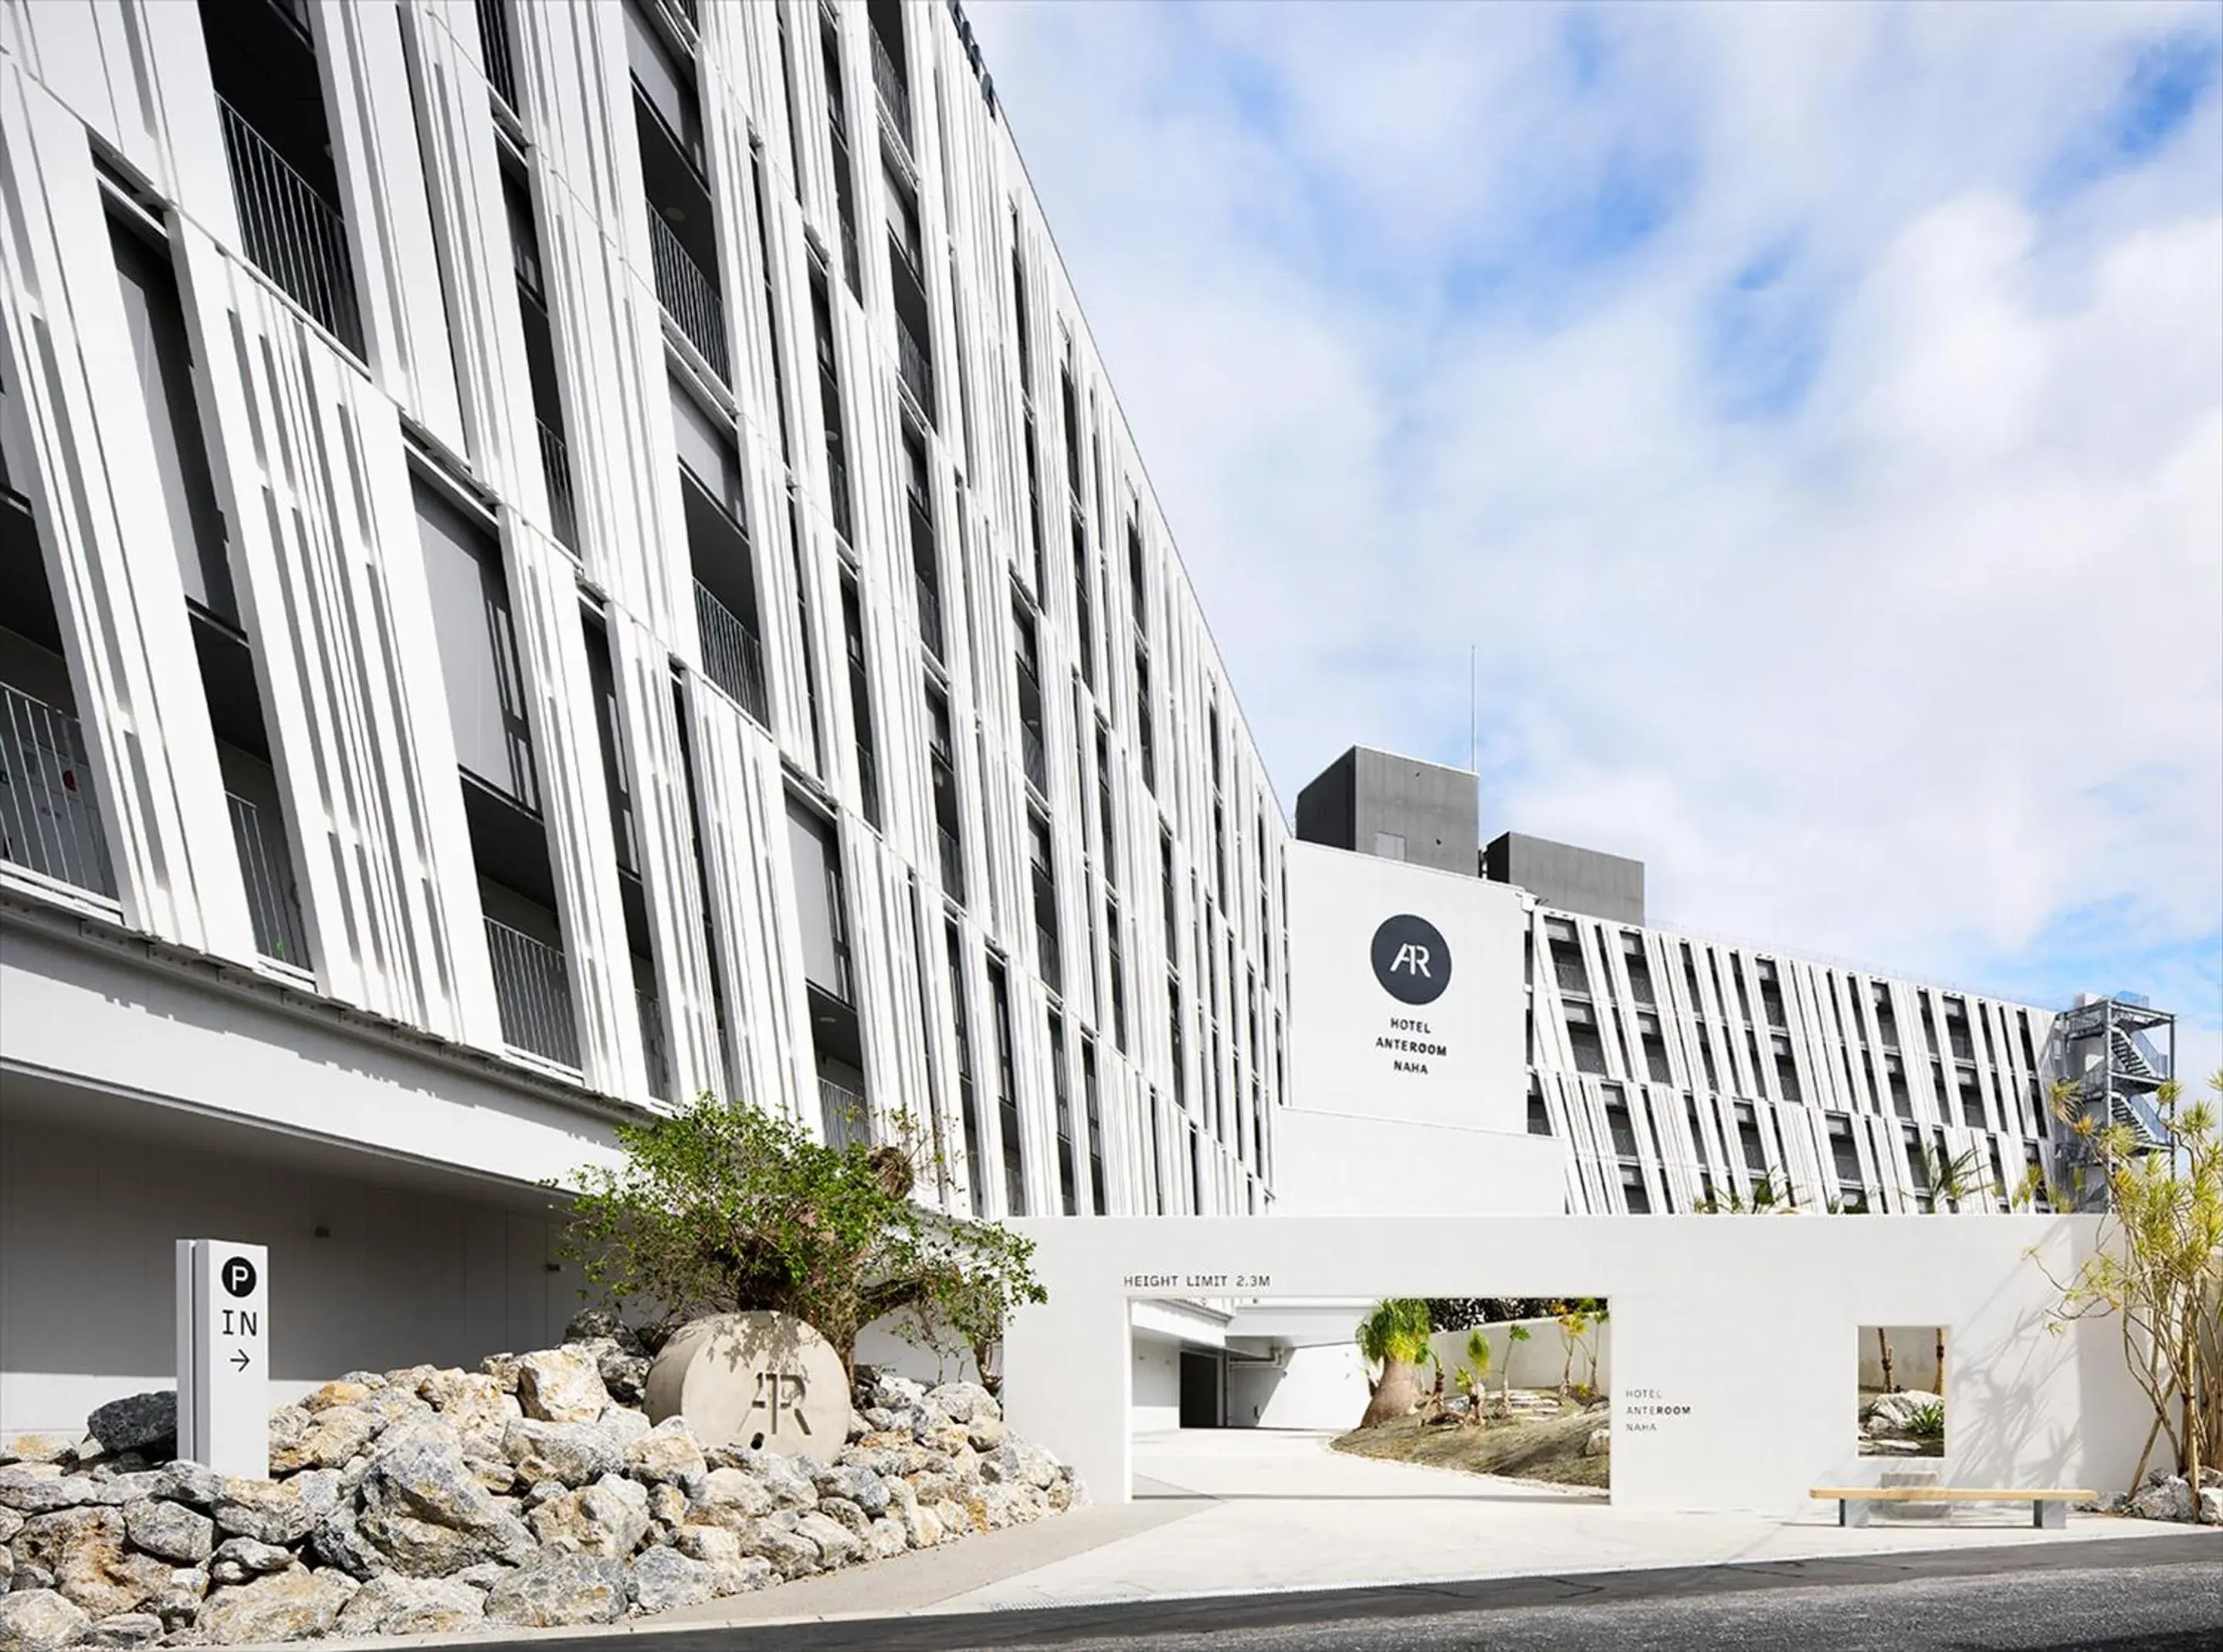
<point x="767" y="1381"/>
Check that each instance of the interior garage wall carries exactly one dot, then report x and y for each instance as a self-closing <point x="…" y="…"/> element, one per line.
<point x="1317" y="1387"/>
<point x="88" y="1219"/>
<point x="1156" y="1403"/>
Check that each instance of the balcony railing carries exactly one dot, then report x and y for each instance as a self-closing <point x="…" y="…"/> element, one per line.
<point x="929" y="615"/>
<point x="291" y="234"/>
<point x="1032" y="756"/>
<point x="273" y="900"/>
<point x="841" y="1113"/>
<point x="688" y="296"/>
<point x="533" y="987"/>
<point x="49" y="823"/>
<point x="895" y="95"/>
<point x="731" y="653"/>
<point x="563" y="510"/>
<point x="953" y="865"/>
<point x="916" y="368"/>
<point x="494" y="46"/>
<point x="651" y="1045"/>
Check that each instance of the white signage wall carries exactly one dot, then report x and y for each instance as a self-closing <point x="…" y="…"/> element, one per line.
<point x="224" y="1356"/>
<point x="1405" y="993"/>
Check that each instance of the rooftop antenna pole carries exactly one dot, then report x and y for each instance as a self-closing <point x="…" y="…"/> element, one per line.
<point x="1472" y="750"/>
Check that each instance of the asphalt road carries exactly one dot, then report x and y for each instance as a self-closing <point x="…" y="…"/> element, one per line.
<point x="2152" y="1595"/>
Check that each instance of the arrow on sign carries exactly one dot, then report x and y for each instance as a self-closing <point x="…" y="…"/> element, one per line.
<point x="239" y="1358"/>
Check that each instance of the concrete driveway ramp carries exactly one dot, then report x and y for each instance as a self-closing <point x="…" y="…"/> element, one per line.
<point x="767" y="1381"/>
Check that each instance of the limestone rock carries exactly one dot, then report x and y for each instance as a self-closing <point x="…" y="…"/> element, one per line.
<point x="560" y="1385"/>
<point x="502" y="1368"/>
<point x="571" y="1454"/>
<point x="1020" y="1464"/>
<point x="27" y="1576"/>
<point x="847" y="1514"/>
<point x="39" y="1620"/>
<point x="114" y="1490"/>
<point x="426" y="1515"/>
<point x="837" y="1544"/>
<point x="142" y="1422"/>
<point x="792" y="1487"/>
<point x="859" y="1486"/>
<point x="57" y="1448"/>
<point x="484" y="1575"/>
<point x="250" y="1558"/>
<point x="669" y="1452"/>
<point x="10" y="1523"/>
<point x="170" y="1531"/>
<point x="125" y="1628"/>
<point x="1599" y="1444"/>
<point x="608" y="1518"/>
<point x="885" y="1539"/>
<point x="712" y="1545"/>
<point x="964" y="1402"/>
<point x="393" y="1604"/>
<point x="730" y="1497"/>
<point x="42" y="1488"/>
<point x="922" y="1527"/>
<point x="295" y="1604"/>
<point x="183" y="1482"/>
<point x="559" y="1589"/>
<point x="337" y="1540"/>
<point x="326" y="1440"/>
<point x="625" y="1376"/>
<point x="337" y="1394"/>
<point x="663" y="1580"/>
<point x="744" y="1576"/>
<point x="2170" y="1500"/>
<point x="790" y="1554"/>
<point x="2211" y="1505"/>
<point x="83" y="1549"/>
<point x="270" y="1511"/>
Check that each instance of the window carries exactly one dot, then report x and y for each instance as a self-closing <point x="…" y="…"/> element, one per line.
<point x="1098" y="1195"/>
<point x="1639" y="970"/>
<point x="1007" y="1094"/>
<point x="816" y="862"/>
<point x="1068" y="1189"/>
<point x="1540" y="1120"/>
<point x="477" y="638"/>
<point x="1582" y="1038"/>
<point x="976" y="1167"/>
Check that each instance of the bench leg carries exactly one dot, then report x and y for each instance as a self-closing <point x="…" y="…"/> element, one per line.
<point x="2050" y="1516"/>
<point x="1852" y="1512"/>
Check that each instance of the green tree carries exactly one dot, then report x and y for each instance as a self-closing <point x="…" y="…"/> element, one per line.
<point x="1394" y="1334"/>
<point x="1473" y="1377"/>
<point x="2159" y="1268"/>
<point x="723" y="1208"/>
<point x="1513" y="1332"/>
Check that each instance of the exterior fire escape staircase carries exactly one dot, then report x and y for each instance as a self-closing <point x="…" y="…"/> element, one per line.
<point x="2105" y="1050"/>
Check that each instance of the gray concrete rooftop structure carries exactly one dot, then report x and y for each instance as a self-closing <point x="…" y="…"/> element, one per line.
<point x="1399" y="808"/>
<point x="1571" y="879"/>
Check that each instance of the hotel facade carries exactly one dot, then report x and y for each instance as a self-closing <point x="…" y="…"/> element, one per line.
<point x="558" y="556"/>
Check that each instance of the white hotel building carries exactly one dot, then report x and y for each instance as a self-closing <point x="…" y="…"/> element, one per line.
<point x="558" y="555"/>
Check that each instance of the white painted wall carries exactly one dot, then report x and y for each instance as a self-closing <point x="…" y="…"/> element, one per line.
<point x="88" y="1218"/>
<point x="1350" y="1165"/>
<point x="1318" y="1386"/>
<point x="2030" y="1407"/>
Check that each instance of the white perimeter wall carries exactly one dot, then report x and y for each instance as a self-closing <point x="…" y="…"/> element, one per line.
<point x="1538" y="1362"/>
<point x="1156" y="1383"/>
<point x="1692" y="1430"/>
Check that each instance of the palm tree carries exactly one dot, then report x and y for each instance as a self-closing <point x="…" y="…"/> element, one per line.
<point x="1513" y="1332"/>
<point x="1394" y="1335"/>
<point x="1474" y="1375"/>
<point x="1883" y="1352"/>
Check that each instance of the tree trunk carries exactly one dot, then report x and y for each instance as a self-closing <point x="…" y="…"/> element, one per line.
<point x="1941" y="1362"/>
<point x="1883" y="1351"/>
<point x="1394" y="1396"/>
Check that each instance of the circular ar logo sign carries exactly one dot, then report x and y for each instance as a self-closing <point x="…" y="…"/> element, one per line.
<point x="238" y="1276"/>
<point x="1410" y="959"/>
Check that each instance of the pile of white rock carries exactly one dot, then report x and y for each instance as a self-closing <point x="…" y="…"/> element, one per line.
<point x="2165" y="1496"/>
<point x="1888" y="1423"/>
<point x="523" y="1494"/>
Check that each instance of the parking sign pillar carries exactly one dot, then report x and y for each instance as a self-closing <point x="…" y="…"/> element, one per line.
<point x="224" y="1356"/>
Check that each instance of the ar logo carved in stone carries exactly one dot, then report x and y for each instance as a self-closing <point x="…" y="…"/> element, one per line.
<point x="781" y="1391"/>
<point x="1411" y="960"/>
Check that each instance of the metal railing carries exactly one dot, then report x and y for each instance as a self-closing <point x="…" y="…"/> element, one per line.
<point x="895" y="95"/>
<point x="493" y="47"/>
<point x="562" y="509"/>
<point x="843" y="1115"/>
<point x="273" y="902"/>
<point x="291" y="234"/>
<point x="916" y="368"/>
<point x="731" y="653"/>
<point x="929" y="614"/>
<point x="953" y="865"/>
<point x="49" y="823"/>
<point x="533" y="987"/>
<point x="651" y="1044"/>
<point x="690" y="297"/>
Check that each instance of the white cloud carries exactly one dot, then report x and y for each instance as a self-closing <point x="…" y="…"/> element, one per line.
<point x="1875" y="603"/>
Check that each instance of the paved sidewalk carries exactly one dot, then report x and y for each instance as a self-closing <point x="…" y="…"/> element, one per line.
<point x="1237" y="1511"/>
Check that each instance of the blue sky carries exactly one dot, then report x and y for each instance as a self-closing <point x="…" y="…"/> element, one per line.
<point x="1811" y="416"/>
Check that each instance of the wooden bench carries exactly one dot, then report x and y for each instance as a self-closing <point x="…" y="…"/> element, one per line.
<point x="2047" y="1510"/>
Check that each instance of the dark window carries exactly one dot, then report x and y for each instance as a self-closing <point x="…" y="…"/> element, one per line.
<point x="1007" y="1095"/>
